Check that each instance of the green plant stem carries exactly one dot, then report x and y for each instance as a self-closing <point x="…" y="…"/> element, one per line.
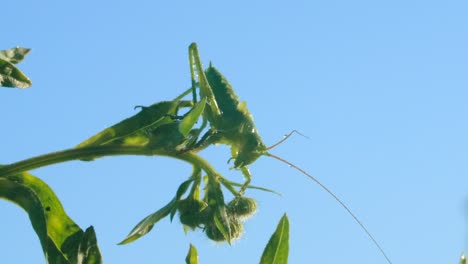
<point x="99" y="152"/>
<point x="70" y="154"/>
<point x="200" y="162"/>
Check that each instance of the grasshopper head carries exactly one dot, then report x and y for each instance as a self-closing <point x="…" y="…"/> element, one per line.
<point x="249" y="149"/>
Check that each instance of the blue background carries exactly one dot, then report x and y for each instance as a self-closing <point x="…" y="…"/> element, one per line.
<point x="380" y="87"/>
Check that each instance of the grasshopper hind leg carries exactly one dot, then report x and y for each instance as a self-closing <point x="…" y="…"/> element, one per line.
<point x="203" y="84"/>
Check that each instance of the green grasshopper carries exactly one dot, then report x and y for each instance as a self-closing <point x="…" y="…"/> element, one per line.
<point x="232" y="124"/>
<point x="230" y="121"/>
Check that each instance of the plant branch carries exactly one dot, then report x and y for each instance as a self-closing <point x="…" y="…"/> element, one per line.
<point x="89" y="153"/>
<point x="85" y="153"/>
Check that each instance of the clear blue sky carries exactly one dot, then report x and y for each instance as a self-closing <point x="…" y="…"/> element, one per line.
<point x="380" y="87"/>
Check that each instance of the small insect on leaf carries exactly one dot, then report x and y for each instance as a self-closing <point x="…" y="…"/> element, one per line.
<point x="277" y="249"/>
<point x="192" y="255"/>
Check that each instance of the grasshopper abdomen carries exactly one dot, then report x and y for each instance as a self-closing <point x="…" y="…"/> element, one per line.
<point x="235" y="124"/>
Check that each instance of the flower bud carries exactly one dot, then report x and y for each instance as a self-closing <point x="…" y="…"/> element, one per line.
<point x="235" y="228"/>
<point x="242" y="207"/>
<point x="193" y="213"/>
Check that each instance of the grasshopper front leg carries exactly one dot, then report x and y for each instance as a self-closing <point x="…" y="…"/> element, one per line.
<point x="248" y="178"/>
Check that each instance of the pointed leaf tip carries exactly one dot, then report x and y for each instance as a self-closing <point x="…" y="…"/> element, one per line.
<point x="14" y="55"/>
<point x="277" y="249"/>
<point x="192" y="255"/>
<point x="145" y="225"/>
<point x="10" y="76"/>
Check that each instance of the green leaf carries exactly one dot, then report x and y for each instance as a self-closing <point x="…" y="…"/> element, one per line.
<point x="88" y="251"/>
<point x="463" y="259"/>
<point x="14" y="55"/>
<point x="133" y="129"/>
<point x="145" y="225"/>
<point x="180" y="191"/>
<point x="277" y="249"/>
<point x="10" y="76"/>
<point x="183" y="188"/>
<point x="192" y="255"/>
<point x="222" y="222"/>
<point x="60" y="237"/>
<point x="226" y="183"/>
<point x="191" y="118"/>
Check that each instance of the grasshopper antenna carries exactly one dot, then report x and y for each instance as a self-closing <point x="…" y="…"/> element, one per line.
<point x="285" y="138"/>
<point x="331" y="193"/>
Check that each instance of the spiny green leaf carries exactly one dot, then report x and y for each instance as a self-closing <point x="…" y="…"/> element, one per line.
<point x="60" y="237"/>
<point x="14" y="55"/>
<point x="145" y="225"/>
<point x="10" y="76"/>
<point x="192" y="255"/>
<point x="277" y="249"/>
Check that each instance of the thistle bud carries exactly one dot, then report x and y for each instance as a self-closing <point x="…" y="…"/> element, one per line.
<point x="193" y="213"/>
<point x="235" y="228"/>
<point x="242" y="207"/>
